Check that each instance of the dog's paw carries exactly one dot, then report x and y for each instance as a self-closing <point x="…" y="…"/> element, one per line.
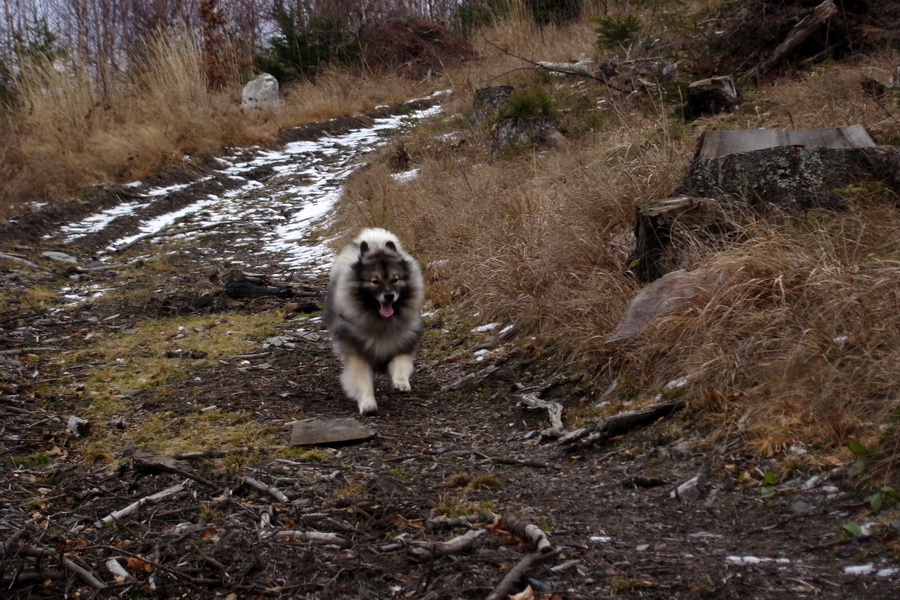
<point x="402" y="385"/>
<point x="368" y="407"/>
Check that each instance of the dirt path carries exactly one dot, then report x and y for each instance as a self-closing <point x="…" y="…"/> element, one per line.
<point x="361" y="520"/>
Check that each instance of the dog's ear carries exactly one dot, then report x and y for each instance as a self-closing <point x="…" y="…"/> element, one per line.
<point x="363" y="248"/>
<point x="390" y="245"/>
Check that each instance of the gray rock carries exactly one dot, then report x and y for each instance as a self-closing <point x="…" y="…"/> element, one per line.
<point x="60" y="257"/>
<point x="664" y="296"/>
<point x="317" y="432"/>
<point x="261" y="94"/>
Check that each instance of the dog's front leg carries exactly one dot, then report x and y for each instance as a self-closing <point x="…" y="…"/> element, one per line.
<point x="358" y="383"/>
<point x="400" y="369"/>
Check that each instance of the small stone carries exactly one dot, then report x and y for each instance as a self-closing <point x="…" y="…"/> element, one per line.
<point x="315" y="432"/>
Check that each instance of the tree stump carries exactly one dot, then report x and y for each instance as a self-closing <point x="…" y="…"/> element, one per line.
<point x="710" y="97"/>
<point x="760" y="169"/>
<point x="488" y="103"/>
<point x="659" y="223"/>
<point x="795" y="170"/>
<point x="541" y="130"/>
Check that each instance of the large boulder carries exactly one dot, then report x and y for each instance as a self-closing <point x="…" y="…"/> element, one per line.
<point x="261" y="94"/>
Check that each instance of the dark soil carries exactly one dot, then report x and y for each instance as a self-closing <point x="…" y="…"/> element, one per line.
<point x="616" y="525"/>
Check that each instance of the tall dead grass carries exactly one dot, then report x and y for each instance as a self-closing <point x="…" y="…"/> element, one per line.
<point x="66" y="135"/>
<point x="791" y="342"/>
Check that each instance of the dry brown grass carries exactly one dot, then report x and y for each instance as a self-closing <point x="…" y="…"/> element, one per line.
<point x="793" y="341"/>
<point x="66" y="135"/>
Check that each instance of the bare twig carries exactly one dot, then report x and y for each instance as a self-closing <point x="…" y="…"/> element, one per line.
<point x="271" y="490"/>
<point x="505" y="587"/>
<point x="135" y="506"/>
<point x="318" y="537"/>
<point x="600" y="431"/>
<point x="461" y="543"/>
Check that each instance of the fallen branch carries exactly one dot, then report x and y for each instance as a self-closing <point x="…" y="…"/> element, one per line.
<point x="801" y="31"/>
<point x="135" y="506"/>
<point x="84" y="574"/>
<point x="528" y="531"/>
<point x="459" y="544"/>
<point x="604" y="429"/>
<point x="271" y="490"/>
<point x="317" y="537"/>
<point x="554" y="409"/>
<point x="505" y="587"/>
<point x="27" y="263"/>
<point x="555" y="69"/>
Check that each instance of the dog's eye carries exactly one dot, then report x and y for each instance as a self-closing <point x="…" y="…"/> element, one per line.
<point x="374" y="281"/>
<point x="395" y="280"/>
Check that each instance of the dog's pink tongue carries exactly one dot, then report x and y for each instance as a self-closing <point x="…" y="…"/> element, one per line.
<point x="385" y="309"/>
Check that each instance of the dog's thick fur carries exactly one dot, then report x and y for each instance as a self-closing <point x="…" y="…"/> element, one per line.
<point x="373" y="313"/>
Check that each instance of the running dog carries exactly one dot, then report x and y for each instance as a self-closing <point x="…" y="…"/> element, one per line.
<point x="373" y="313"/>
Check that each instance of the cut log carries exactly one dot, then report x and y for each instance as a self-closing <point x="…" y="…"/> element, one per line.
<point x="795" y="171"/>
<point x="795" y="178"/>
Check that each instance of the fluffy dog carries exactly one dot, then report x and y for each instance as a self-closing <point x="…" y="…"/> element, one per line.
<point x="373" y="313"/>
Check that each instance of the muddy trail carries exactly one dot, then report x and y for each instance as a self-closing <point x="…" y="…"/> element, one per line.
<point x="182" y="483"/>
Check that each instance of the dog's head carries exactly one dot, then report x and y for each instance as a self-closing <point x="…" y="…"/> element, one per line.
<point x="384" y="277"/>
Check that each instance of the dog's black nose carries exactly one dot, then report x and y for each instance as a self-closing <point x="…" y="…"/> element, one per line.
<point x="389" y="297"/>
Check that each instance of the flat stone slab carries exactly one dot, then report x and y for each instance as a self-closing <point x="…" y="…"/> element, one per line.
<point x="319" y="432"/>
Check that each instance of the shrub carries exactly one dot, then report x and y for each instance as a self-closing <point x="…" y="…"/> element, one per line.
<point x="616" y="32"/>
<point x="301" y="48"/>
<point x="531" y="102"/>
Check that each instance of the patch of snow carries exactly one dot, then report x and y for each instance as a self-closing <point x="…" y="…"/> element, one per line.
<point x="755" y="560"/>
<point x="488" y="327"/>
<point x="406" y="175"/>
